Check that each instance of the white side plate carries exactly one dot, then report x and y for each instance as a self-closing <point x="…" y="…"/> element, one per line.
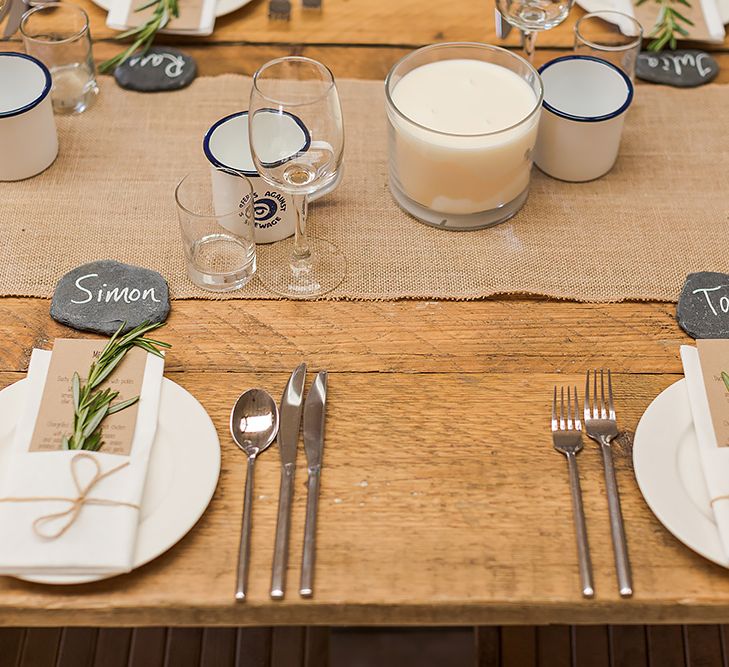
<point x="182" y="476"/>
<point x="224" y="6"/>
<point x="669" y="474"/>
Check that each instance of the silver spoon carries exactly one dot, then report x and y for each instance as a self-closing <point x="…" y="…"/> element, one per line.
<point x="253" y="425"/>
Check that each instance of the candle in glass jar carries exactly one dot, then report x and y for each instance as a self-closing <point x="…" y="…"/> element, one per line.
<point x="467" y="149"/>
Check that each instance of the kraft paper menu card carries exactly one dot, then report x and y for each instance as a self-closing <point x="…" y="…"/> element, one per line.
<point x="702" y="366"/>
<point x="197" y="17"/>
<point x="55" y="415"/>
<point x="74" y="512"/>
<point x="714" y="360"/>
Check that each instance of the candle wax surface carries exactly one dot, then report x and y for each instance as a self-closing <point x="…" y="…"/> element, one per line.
<point x="464" y="96"/>
<point x="470" y="149"/>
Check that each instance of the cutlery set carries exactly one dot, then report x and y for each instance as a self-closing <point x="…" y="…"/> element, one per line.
<point x="600" y="424"/>
<point x="255" y="422"/>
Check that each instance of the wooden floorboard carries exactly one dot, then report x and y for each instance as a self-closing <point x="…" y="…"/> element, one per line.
<point x="112" y="647"/>
<point x="77" y="647"/>
<point x="590" y="646"/>
<point x="218" y="647"/>
<point x="703" y="646"/>
<point x="488" y="646"/>
<point x="554" y="646"/>
<point x="665" y="646"/>
<point x="184" y="647"/>
<point x="287" y="646"/>
<point x="253" y="647"/>
<point x="148" y="647"/>
<point x="295" y="646"/>
<point x="519" y="646"/>
<point x="40" y="647"/>
<point x="11" y="646"/>
<point x="402" y="647"/>
<point x="628" y="646"/>
<point x="316" y="650"/>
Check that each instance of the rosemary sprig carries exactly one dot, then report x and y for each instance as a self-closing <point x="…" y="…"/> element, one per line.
<point x="92" y="405"/>
<point x="164" y="12"/>
<point x="668" y="24"/>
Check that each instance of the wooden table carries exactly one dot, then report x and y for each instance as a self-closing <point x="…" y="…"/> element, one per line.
<point x="442" y="499"/>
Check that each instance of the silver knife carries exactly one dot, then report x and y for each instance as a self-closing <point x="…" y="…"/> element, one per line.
<point x="314" y="415"/>
<point x="288" y="439"/>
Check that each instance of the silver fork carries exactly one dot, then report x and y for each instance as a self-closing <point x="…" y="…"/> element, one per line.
<point x="567" y="439"/>
<point x="602" y="427"/>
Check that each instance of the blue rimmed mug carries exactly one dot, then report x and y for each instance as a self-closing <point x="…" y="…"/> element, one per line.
<point x="227" y="149"/>
<point x="28" y="137"/>
<point x="584" y="108"/>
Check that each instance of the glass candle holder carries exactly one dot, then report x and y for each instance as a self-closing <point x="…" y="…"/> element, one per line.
<point x="57" y="34"/>
<point x="611" y="36"/>
<point x="463" y="121"/>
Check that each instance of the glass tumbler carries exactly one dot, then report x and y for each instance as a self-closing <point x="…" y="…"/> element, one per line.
<point x="611" y="36"/>
<point x="58" y="35"/>
<point x="217" y="232"/>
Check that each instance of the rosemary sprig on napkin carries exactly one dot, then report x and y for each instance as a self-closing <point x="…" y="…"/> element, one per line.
<point x="164" y="12"/>
<point x="92" y="405"/>
<point x="668" y="24"/>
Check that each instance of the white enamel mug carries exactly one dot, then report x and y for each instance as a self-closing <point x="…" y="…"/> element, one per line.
<point x="585" y="102"/>
<point x="28" y="137"/>
<point x="227" y="149"/>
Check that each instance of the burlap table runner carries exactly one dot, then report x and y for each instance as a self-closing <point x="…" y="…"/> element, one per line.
<point x="634" y="234"/>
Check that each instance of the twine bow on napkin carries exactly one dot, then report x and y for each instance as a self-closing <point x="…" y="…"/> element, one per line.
<point x="77" y="503"/>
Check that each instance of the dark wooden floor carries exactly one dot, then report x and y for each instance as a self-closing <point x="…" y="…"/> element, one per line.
<point x="550" y="646"/>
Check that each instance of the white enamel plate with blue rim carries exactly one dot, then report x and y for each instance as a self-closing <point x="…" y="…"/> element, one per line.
<point x="669" y="473"/>
<point x="183" y="472"/>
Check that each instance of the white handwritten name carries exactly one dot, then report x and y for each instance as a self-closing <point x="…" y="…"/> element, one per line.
<point x="173" y="69"/>
<point x="723" y="302"/>
<point x="678" y="63"/>
<point x="104" y="295"/>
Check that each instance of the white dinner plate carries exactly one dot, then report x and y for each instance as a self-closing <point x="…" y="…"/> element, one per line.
<point x="183" y="472"/>
<point x="669" y="473"/>
<point x="222" y="8"/>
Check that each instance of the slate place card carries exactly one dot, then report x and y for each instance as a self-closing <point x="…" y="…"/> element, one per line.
<point x="159" y="69"/>
<point x="686" y="68"/>
<point x="703" y="306"/>
<point x="100" y="296"/>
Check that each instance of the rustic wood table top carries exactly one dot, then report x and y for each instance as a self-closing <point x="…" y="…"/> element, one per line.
<point x="442" y="500"/>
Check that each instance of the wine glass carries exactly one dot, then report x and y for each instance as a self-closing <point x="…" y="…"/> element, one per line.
<point x="532" y="16"/>
<point x="297" y="141"/>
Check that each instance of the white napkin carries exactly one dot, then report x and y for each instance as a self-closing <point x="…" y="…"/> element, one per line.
<point x="714" y="459"/>
<point x="102" y="539"/>
<point x="715" y="13"/>
<point x="120" y="10"/>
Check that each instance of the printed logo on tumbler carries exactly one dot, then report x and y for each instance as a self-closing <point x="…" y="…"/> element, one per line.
<point x="267" y="209"/>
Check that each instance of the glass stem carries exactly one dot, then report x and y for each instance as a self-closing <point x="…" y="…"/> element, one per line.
<point x="530" y="38"/>
<point x="301" y="257"/>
